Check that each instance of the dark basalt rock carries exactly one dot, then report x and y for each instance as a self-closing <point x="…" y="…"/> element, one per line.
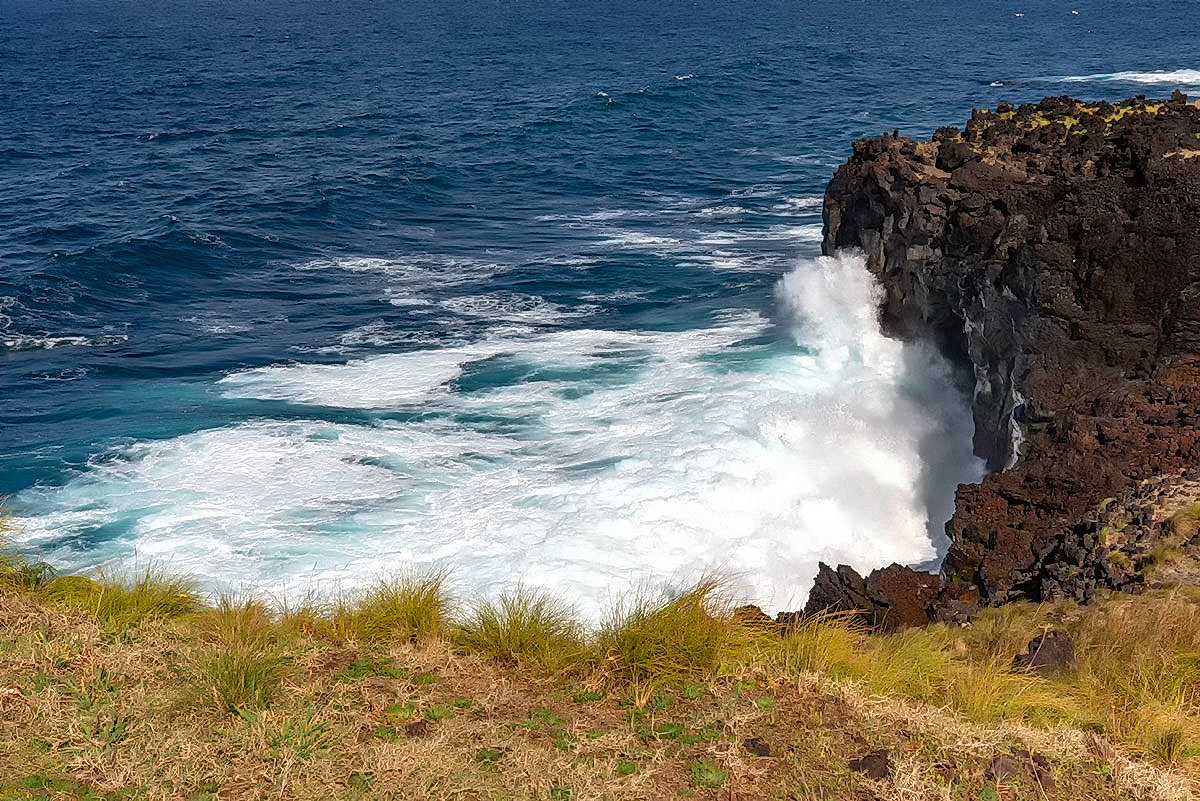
<point x="757" y="746"/>
<point x="1052" y="251"/>
<point x="1051" y="652"/>
<point x="891" y="598"/>
<point x="1001" y="769"/>
<point x="876" y="765"/>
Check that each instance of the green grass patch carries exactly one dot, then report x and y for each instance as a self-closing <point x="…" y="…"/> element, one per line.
<point x="435" y="714"/>
<point x="123" y="601"/>
<point x="488" y="756"/>
<point x="386" y="667"/>
<point x="403" y="710"/>
<point x="705" y="773"/>
<point x="625" y="767"/>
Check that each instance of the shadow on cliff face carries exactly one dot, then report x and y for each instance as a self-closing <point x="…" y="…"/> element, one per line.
<point x="946" y="453"/>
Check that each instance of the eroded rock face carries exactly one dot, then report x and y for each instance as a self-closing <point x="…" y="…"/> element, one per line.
<point x="1053" y="252"/>
<point x="891" y="598"/>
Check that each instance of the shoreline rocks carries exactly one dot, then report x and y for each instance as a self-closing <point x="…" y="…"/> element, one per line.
<point x="1052" y="252"/>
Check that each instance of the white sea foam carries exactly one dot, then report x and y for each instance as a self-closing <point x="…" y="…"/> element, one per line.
<point x="17" y="341"/>
<point x="639" y="240"/>
<point x="380" y="382"/>
<point x="811" y="232"/>
<point x="800" y="204"/>
<point x="514" y="307"/>
<point x="583" y="461"/>
<point x="413" y="272"/>
<point x="1181" y="77"/>
<point x="381" y="334"/>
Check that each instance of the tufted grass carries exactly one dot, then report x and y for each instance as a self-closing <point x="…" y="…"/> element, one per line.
<point x="1136" y="681"/>
<point x="1185" y="523"/>
<point x="524" y="627"/>
<point x="655" y="640"/>
<point x="16" y="572"/>
<point x="123" y="600"/>
<point x="405" y="606"/>
<point x="232" y="677"/>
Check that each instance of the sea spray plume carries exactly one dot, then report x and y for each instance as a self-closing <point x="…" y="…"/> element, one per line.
<point x="832" y="304"/>
<point x="903" y="398"/>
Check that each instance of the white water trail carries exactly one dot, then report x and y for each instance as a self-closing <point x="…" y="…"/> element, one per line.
<point x="1182" y="77"/>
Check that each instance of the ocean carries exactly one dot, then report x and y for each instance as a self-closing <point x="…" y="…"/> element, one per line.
<point x="293" y="294"/>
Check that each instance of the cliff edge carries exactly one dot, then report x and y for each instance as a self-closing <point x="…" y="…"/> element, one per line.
<point x="1052" y="251"/>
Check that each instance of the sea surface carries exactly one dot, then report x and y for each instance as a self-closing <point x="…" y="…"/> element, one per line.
<point x="296" y="293"/>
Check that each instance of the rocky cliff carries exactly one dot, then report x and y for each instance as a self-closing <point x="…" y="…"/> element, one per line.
<point x="1052" y="251"/>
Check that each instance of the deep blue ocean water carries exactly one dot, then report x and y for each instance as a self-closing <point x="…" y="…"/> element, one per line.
<point x="316" y="289"/>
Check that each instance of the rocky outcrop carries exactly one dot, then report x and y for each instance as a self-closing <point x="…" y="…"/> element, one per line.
<point x="1052" y="251"/>
<point x="890" y="598"/>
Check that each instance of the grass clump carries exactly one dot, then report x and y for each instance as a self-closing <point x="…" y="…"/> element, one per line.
<point x="1139" y="668"/>
<point x="122" y="601"/>
<point x="656" y="642"/>
<point x="822" y="643"/>
<point x="234" y="678"/>
<point x="406" y="606"/>
<point x="705" y="773"/>
<point x="524" y="627"/>
<point x="1185" y="523"/>
<point x="17" y="574"/>
<point x="243" y="668"/>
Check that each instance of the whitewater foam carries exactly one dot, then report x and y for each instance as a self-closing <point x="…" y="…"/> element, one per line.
<point x="515" y="307"/>
<point x="1181" y="77"/>
<point x="583" y="461"/>
<point x="1189" y="77"/>
<point x="19" y="342"/>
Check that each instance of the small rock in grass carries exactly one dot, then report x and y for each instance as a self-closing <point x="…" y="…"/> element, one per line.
<point x="757" y="746"/>
<point x="876" y="765"/>
<point x="1051" y="652"/>
<point x="1001" y="769"/>
<point x="754" y="617"/>
<point x="417" y="728"/>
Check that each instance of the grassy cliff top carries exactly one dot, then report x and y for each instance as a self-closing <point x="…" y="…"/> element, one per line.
<point x="1065" y="128"/>
<point x="140" y="688"/>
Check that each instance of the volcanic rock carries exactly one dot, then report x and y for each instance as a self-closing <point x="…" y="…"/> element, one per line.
<point x="1052" y="252"/>
<point x="876" y="765"/>
<point x="1051" y="652"/>
<point x="891" y="598"/>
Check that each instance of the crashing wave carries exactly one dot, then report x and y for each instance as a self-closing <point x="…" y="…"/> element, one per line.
<point x="584" y="461"/>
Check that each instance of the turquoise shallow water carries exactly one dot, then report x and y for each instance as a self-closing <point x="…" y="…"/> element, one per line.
<point x="307" y="290"/>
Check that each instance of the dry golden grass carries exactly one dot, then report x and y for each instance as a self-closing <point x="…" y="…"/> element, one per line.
<point x="649" y="641"/>
<point x="136" y="688"/>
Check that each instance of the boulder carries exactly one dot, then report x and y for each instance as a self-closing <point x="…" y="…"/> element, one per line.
<point x="890" y="598"/>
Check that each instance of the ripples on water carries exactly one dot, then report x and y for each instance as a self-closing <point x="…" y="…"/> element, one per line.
<point x="293" y="292"/>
